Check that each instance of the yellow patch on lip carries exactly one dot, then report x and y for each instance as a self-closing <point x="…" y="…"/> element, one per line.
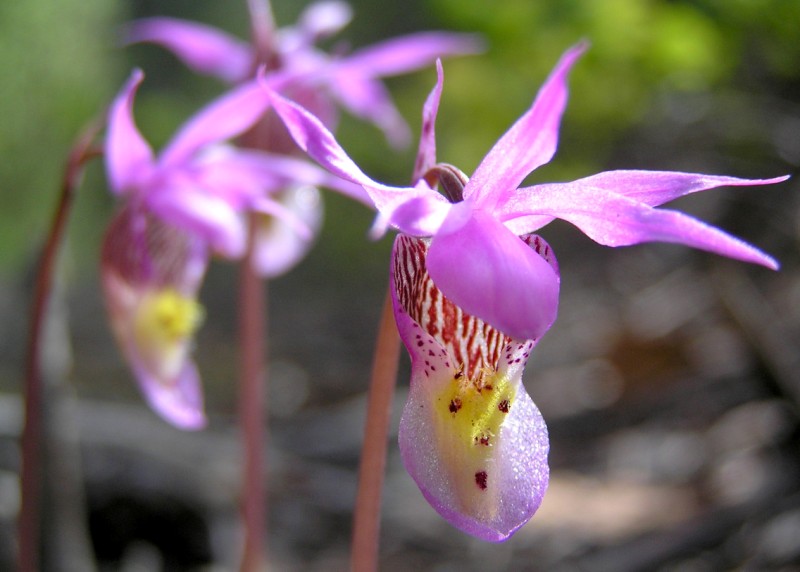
<point x="474" y="409"/>
<point x="164" y="323"/>
<point x="469" y="415"/>
<point x="168" y="315"/>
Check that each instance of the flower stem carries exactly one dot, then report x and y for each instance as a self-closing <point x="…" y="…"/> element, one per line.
<point x="366" y="519"/>
<point x="252" y="409"/>
<point x="31" y="440"/>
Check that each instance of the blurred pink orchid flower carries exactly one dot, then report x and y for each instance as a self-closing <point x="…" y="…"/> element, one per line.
<point x="316" y="77"/>
<point x="474" y="291"/>
<point x="179" y="208"/>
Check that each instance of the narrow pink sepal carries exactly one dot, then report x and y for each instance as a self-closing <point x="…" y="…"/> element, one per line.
<point x="426" y="153"/>
<point x="655" y="188"/>
<point x="276" y="171"/>
<point x="129" y="157"/>
<point x="416" y="210"/>
<point x="225" y="118"/>
<point x="202" y="48"/>
<point x="411" y="52"/>
<point x="528" y="144"/>
<point x="615" y="220"/>
<point x="492" y="274"/>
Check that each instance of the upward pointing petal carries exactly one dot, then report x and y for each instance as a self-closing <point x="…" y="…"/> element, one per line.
<point x="417" y="210"/>
<point x="127" y="153"/>
<point x="355" y="79"/>
<point x="224" y="118"/>
<point x="530" y="143"/>
<point x="426" y="155"/>
<point x="202" y="48"/>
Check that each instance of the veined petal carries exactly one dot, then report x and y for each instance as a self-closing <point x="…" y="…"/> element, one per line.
<point x="202" y="48"/>
<point x="426" y="154"/>
<point x="229" y="116"/>
<point x="402" y="206"/>
<point x="615" y="220"/>
<point x="528" y="144"/>
<point x="470" y="436"/>
<point x="493" y="274"/>
<point x="282" y="241"/>
<point x="128" y="156"/>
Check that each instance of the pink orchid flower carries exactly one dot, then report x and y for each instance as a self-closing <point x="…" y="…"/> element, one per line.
<point x="352" y="81"/>
<point x="474" y="290"/>
<point x="179" y="208"/>
<point x="306" y="74"/>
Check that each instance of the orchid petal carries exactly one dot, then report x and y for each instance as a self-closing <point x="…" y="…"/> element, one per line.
<point x="282" y="170"/>
<point x="275" y="209"/>
<point x="315" y="139"/>
<point x="180" y="402"/>
<point x="229" y="116"/>
<point x="652" y="188"/>
<point x="470" y="436"/>
<point x="528" y="144"/>
<point x="490" y="273"/>
<point x="368" y="99"/>
<point x="204" y="215"/>
<point x="323" y="19"/>
<point x="203" y="48"/>
<point x="657" y="187"/>
<point x="615" y="220"/>
<point x="282" y="241"/>
<point x="128" y="156"/>
<point x="409" y="53"/>
<point x="426" y="155"/>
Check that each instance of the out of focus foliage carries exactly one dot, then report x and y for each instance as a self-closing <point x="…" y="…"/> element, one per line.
<point x="60" y="65"/>
<point x="58" y="72"/>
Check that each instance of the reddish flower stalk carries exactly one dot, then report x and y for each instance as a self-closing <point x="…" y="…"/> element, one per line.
<point x="252" y="409"/>
<point x="31" y="440"/>
<point x="366" y="518"/>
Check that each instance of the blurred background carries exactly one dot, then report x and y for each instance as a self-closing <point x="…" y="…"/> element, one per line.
<point x="670" y="382"/>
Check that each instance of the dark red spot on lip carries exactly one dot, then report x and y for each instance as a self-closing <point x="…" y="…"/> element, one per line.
<point x="503" y="406"/>
<point x="455" y="405"/>
<point x="480" y="479"/>
<point x="482" y="440"/>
